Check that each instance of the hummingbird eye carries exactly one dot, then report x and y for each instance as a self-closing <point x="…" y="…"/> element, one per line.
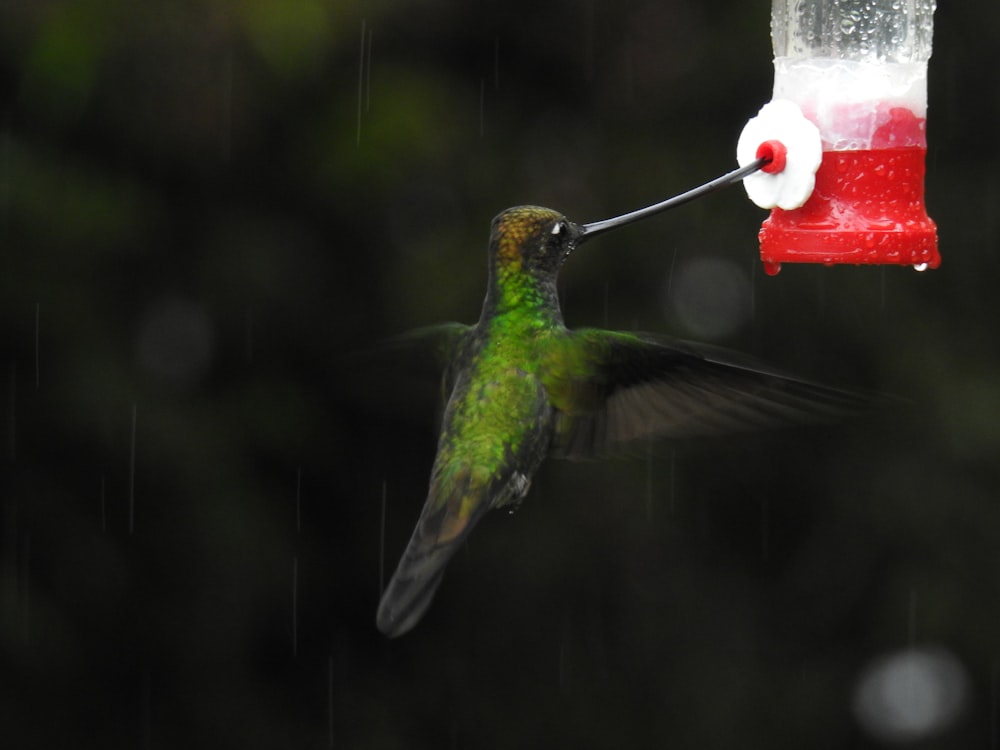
<point x="558" y="228"/>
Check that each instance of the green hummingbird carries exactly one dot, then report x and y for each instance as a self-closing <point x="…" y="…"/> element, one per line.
<point x="521" y="386"/>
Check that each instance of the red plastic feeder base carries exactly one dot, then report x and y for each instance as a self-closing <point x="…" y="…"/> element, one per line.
<point x="867" y="208"/>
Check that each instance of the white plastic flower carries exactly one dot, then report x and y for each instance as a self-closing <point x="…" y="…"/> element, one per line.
<point x="790" y="187"/>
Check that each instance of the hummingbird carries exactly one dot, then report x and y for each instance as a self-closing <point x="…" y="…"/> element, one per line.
<point x="521" y="387"/>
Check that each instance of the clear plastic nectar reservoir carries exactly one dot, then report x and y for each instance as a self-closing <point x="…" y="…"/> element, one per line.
<point x="857" y="69"/>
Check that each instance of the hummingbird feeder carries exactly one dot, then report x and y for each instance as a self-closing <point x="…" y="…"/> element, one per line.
<point x="844" y="135"/>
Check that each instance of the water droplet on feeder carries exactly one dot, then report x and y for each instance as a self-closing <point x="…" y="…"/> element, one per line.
<point x="920" y="267"/>
<point x="771" y="268"/>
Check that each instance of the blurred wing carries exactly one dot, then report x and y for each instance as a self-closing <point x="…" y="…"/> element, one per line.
<point x="627" y="387"/>
<point x="441" y="343"/>
<point x="428" y="349"/>
<point x="432" y="347"/>
<point x="420" y="356"/>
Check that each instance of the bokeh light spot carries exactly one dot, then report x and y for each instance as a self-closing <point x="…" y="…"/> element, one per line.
<point x="709" y="297"/>
<point x="907" y="695"/>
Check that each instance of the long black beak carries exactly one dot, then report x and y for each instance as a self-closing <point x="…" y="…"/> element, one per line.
<point x="731" y="178"/>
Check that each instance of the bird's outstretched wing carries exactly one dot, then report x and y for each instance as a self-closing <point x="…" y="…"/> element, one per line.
<point x="618" y="387"/>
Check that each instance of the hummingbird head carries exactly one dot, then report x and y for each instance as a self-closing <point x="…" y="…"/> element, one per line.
<point x="529" y="244"/>
<point x="532" y="240"/>
<point x="537" y="241"/>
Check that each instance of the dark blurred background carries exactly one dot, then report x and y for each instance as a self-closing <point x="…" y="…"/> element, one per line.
<point x="206" y="210"/>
